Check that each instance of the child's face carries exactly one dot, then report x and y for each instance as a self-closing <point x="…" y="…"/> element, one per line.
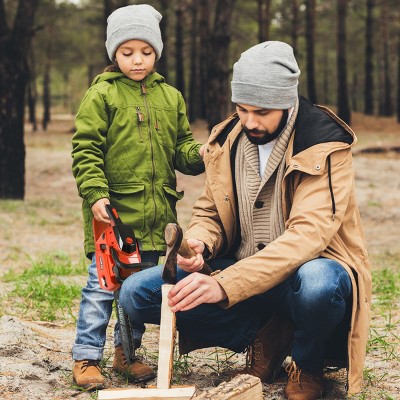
<point x="135" y="59"/>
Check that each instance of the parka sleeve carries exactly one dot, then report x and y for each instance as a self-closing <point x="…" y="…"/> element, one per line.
<point x="88" y="146"/>
<point x="308" y="232"/>
<point x="187" y="159"/>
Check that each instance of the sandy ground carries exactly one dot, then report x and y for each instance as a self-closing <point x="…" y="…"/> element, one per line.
<point x="35" y="361"/>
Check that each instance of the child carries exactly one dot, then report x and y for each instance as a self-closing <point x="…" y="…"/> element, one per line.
<point x="131" y="134"/>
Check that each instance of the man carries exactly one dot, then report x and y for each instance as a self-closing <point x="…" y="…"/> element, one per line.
<point x="279" y="223"/>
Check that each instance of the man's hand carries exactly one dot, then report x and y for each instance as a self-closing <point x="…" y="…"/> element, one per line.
<point x="99" y="210"/>
<point x="194" y="290"/>
<point x="196" y="262"/>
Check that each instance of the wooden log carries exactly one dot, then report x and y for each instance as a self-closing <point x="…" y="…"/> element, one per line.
<point x="165" y="365"/>
<point x="174" y="393"/>
<point x="166" y="341"/>
<point x="242" y="387"/>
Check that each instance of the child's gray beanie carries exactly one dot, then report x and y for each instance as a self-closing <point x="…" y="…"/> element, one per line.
<point x="140" y="22"/>
<point x="266" y="76"/>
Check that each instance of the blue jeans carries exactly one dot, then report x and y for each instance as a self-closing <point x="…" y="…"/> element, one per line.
<point x="317" y="298"/>
<point x="94" y="315"/>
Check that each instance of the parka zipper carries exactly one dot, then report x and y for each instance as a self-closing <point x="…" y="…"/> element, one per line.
<point x="144" y="92"/>
<point x="140" y="119"/>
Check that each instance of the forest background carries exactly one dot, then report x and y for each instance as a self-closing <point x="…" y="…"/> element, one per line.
<point x="50" y="51"/>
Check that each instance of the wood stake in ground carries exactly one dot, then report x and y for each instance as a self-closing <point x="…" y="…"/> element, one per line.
<point x="165" y="364"/>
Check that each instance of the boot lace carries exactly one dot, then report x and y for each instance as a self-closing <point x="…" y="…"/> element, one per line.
<point x="89" y="363"/>
<point x="252" y="353"/>
<point x="293" y="371"/>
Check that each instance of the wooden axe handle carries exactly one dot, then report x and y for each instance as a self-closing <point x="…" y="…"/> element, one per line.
<point x="188" y="252"/>
<point x="173" y="234"/>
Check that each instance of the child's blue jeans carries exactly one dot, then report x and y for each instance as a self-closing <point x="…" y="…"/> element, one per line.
<point x="316" y="298"/>
<point x="94" y="315"/>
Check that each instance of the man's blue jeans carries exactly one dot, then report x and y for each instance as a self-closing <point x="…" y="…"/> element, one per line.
<point x="317" y="297"/>
<point x="94" y="315"/>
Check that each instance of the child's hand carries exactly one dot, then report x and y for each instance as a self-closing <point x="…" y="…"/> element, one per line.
<point x="99" y="210"/>
<point x="202" y="150"/>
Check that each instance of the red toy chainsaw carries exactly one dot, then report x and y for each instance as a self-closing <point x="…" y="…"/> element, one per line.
<point x="117" y="257"/>
<point x="117" y="251"/>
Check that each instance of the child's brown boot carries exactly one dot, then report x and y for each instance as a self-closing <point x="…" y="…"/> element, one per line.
<point x="87" y="374"/>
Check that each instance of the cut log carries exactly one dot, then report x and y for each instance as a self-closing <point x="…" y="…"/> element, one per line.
<point x="166" y="342"/>
<point x="242" y="387"/>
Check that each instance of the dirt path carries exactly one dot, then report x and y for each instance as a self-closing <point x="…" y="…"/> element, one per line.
<point x="35" y="358"/>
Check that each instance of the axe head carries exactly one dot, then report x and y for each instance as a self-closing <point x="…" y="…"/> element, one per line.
<point x="173" y="237"/>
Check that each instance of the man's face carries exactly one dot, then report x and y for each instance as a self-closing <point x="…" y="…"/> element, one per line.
<point x="261" y="125"/>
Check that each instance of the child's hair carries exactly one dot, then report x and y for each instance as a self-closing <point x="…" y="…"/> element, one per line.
<point x="140" y="22"/>
<point x="112" y="68"/>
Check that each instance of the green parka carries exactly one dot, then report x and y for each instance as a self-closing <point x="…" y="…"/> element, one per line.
<point x="130" y="138"/>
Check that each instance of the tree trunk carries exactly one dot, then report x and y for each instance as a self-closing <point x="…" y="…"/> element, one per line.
<point x="398" y="76"/>
<point x="162" y="63"/>
<point x="194" y="89"/>
<point x="387" y="95"/>
<point x="369" y="64"/>
<point x="32" y="92"/>
<point x="264" y="19"/>
<point x="310" y="39"/>
<point x="179" y="48"/>
<point x="204" y="34"/>
<point x="46" y="95"/>
<point x="14" y="76"/>
<point x="218" y="70"/>
<point x="342" y="95"/>
<point x="295" y="26"/>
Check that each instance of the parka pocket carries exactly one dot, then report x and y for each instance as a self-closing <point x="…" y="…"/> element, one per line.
<point x="166" y="127"/>
<point x="171" y="197"/>
<point x="128" y="199"/>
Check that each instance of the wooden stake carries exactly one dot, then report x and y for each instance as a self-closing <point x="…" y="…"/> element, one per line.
<point x="165" y="364"/>
<point x="166" y="342"/>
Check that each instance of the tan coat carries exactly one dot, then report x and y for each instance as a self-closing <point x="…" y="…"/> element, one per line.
<point x="311" y="231"/>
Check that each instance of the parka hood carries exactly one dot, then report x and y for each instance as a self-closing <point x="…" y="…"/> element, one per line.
<point x="150" y="80"/>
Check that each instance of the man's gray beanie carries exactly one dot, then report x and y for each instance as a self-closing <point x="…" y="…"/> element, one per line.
<point x="266" y="76"/>
<point x="140" y="22"/>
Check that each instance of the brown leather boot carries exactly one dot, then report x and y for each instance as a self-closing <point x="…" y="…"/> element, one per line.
<point x="302" y="385"/>
<point x="270" y="347"/>
<point x="87" y="374"/>
<point x="135" y="372"/>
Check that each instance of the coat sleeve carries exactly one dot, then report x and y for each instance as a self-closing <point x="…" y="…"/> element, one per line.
<point x="88" y="146"/>
<point x="187" y="158"/>
<point x="308" y="232"/>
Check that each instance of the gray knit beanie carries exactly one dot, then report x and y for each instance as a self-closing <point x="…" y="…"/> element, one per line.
<point x="266" y="76"/>
<point x="140" y="22"/>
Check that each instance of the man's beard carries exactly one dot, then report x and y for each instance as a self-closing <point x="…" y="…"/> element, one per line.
<point x="267" y="136"/>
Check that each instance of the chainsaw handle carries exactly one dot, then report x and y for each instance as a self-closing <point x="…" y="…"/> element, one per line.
<point x="120" y="264"/>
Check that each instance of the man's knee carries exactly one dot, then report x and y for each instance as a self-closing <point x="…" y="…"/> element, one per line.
<point x="322" y="278"/>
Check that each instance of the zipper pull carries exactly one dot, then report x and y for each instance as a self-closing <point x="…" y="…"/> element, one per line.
<point x="139" y="115"/>
<point x="144" y="89"/>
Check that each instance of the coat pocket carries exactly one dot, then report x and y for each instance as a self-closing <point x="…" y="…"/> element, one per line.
<point x="171" y="197"/>
<point x="128" y="199"/>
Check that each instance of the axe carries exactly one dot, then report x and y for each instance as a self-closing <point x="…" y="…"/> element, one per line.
<point x="175" y="245"/>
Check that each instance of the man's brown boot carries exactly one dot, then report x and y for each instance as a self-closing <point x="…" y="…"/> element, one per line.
<point x="87" y="374"/>
<point x="302" y="385"/>
<point x="135" y="372"/>
<point x="270" y="347"/>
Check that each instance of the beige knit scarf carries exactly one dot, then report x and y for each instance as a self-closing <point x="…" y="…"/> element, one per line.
<point x="260" y="226"/>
